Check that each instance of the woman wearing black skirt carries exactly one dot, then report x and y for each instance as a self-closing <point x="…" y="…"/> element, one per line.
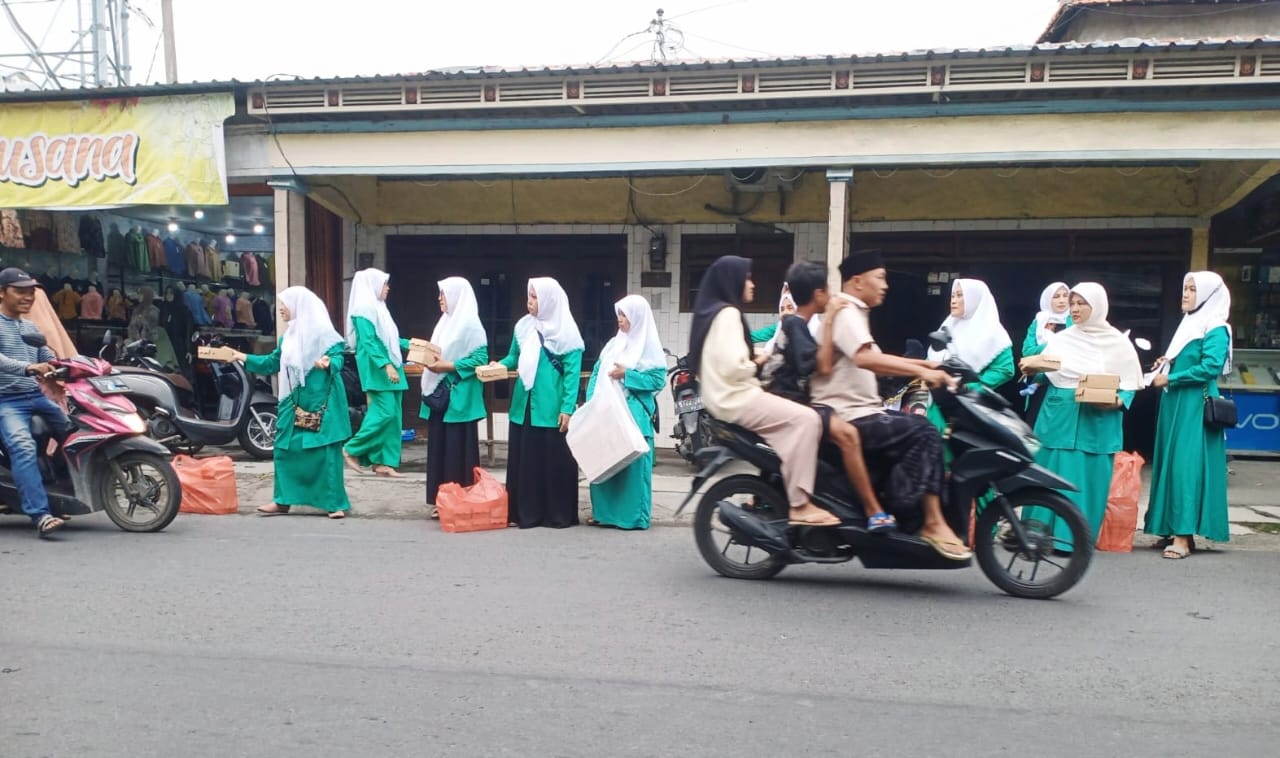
<point x="542" y="477"/>
<point x="450" y="384"/>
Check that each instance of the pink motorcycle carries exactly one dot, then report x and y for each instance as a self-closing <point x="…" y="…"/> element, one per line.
<point x="107" y="462"/>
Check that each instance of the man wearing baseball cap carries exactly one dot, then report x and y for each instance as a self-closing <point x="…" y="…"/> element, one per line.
<point x="21" y="398"/>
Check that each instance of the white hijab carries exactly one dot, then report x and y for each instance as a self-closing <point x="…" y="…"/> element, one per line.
<point x="554" y="323"/>
<point x="1213" y="309"/>
<point x="309" y="335"/>
<point x="1047" y="314"/>
<point x="459" y="331"/>
<point x="977" y="336"/>
<point x="366" y="302"/>
<point x="638" y="348"/>
<point x="1093" y="346"/>
<point x="782" y="303"/>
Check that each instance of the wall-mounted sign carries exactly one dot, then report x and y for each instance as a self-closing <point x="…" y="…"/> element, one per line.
<point x="124" y="151"/>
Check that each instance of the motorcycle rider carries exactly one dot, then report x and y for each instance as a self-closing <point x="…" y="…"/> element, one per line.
<point x="21" y="398"/>
<point x="848" y="362"/>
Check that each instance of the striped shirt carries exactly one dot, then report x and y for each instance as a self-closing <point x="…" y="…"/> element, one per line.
<point x="16" y="355"/>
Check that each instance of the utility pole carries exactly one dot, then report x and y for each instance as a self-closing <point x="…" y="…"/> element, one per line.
<point x="170" y="48"/>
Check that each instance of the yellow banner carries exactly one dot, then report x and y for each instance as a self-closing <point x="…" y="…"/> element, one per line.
<point x="102" y="153"/>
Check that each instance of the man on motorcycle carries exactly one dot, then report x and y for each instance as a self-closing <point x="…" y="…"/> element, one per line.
<point x="848" y="362"/>
<point x="21" y="398"/>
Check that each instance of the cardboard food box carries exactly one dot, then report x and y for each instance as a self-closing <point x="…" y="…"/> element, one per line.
<point x="1098" y="388"/>
<point x="421" y="351"/>
<point x="491" y="373"/>
<point x="1045" y="362"/>
<point x="215" y="353"/>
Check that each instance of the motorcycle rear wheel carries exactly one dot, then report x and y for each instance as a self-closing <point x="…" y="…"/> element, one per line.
<point x="147" y="486"/>
<point x="259" y="438"/>
<point x="707" y="528"/>
<point x="998" y="549"/>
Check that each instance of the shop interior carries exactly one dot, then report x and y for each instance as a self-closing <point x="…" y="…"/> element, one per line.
<point x="210" y="270"/>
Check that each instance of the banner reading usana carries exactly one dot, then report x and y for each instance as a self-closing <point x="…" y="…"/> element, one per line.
<point x="101" y="153"/>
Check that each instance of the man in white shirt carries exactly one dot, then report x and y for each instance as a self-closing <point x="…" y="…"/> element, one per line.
<point x="905" y="445"/>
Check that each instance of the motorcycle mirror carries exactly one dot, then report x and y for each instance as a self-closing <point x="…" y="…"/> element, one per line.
<point x="35" y="340"/>
<point x="938" y="340"/>
<point x="106" y="337"/>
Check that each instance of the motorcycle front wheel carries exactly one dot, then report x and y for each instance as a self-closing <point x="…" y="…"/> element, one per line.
<point x="140" y="492"/>
<point x="1054" y="554"/>
<point x="719" y="547"/>
<point x="258" y="437"/>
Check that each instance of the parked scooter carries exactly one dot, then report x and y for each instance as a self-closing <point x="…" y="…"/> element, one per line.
<point x="690" y="432"/>
<point x="106" y="463"/>
<point x="245" y="408"/>
<point x="745" y="515"/>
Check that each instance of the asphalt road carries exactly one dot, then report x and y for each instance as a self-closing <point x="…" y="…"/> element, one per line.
<point x="297" y="636"/>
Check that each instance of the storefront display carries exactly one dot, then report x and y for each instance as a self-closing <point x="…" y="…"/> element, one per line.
<point x="1254" y="385"/>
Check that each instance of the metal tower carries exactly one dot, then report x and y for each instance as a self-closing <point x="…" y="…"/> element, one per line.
<point x="64" y="44"/>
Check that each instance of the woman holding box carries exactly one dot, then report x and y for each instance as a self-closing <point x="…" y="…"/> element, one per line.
<point x="378" y="347"/>
<point x="542" y="477"/>
<point x="452" y="396"/>
<point x="635" y="360"/>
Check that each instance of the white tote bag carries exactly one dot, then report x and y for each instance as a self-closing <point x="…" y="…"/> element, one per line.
<point x="603" y="437"/>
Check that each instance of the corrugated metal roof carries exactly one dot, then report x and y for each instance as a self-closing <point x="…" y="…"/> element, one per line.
<point x="1069" y="8"/>
<point x="1118" y="47"/>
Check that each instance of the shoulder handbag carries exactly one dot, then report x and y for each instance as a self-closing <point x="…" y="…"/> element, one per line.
<point x="310" y="420"/>
<point x="438" y="400"/>
<point x="553" y="360"/>
<point x="1219" y="412"/>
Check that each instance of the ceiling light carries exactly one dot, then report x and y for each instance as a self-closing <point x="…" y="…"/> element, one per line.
<point x="231" y="238"/>
<point x="199" y="214"/>
<point x="173" y="226"/>
<point x="259" y="228"/>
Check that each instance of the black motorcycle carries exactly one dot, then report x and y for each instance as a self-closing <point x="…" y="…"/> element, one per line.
<point x="691" y="432"/>
<point x="222" y="407"/>
<point x="744" y="516"/>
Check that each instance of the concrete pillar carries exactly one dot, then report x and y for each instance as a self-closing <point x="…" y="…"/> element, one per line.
<point x="839" y="182"/>
<point x="290" y="243"/>
<point x="1200" y="248"/>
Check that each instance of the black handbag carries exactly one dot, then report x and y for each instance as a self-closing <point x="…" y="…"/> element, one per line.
<point x="1219" y="412"/>
<point x="438" y="400"/>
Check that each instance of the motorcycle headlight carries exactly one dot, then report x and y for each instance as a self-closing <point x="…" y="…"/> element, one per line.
<point x="134" y="422"/>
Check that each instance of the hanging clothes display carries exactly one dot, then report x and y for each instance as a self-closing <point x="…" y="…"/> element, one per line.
<point x="194" y="255"/>
<point x="174" y="260"/>
<point x="244" y="311"/>
<point x="212" y="261"/>
<point x="155" y="251"/>
<point x="66" y="234"/>
<point x="90" y="233"/>
<point x="117" y="247"/>
<point x="91" y="304"/>
<point x="67" y="301"/>
<point x="249" y="264"/>
<point x="137" y="258"/>
<point x="11" y="229"/>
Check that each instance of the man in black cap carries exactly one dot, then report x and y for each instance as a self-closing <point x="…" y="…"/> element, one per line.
<point x="21" y="398"/>
<point x="906" y="445"/>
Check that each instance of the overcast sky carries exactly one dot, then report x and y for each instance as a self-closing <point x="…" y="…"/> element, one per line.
<point x="253" y="39"/>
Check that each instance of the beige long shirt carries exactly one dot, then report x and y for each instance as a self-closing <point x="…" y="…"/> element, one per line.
<point x="727" y="375"/>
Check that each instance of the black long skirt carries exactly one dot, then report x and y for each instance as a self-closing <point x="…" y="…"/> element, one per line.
<point x="542" y="478"/>
<point x="453" y="452"/>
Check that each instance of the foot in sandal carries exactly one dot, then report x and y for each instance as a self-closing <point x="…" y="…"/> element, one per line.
<point x="352" y="463"/>
<point x="1178" y="549"/>
<point x="273" y="510"/>
<point x="47" y="525"/>
<point x="335" y="515"/>
<point x="811" y="515"/>
<point x="387" y="471"/>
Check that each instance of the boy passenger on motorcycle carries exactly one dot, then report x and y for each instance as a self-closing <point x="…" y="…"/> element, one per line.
<point x="848" y="362"/>
<point x="21" y="398"/>
<point x="787" y="371"/>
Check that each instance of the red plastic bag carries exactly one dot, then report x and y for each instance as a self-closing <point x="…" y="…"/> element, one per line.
<point x="1121" y="519"/>
<point x="208" y="485"/>
<point x="483" y="505"/>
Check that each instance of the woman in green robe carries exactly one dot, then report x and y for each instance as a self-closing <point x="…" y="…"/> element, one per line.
<point x="1189" y="472"/>
<point x="379" y="358"/>
<point x="635" y="360"/>
<point x="453" y="438"/>
<point x="542" y="477"/>
<point x="1055" y="302"/>
<point x="1079" y="441"/>
<point x="977" y="338"/>
<point x="308" y="358"/>
<point x="767" y="334"/>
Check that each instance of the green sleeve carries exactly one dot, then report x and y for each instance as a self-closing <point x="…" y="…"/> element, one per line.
<point x="1126" y="397"/>
<point x="572" y="363"/>
<point x="644" y="381"/>
<point x="1031" y="346"/>
<point x="264" y="364"/>
<point x="369" y="346"/>
<point x="764" y="333"/>
<point x="999" y="370"/>
<point x="591" y="383"/>
<point x="513" y="355"/>
<point x="466" y="366"/>
<point x="404" y="344"/>
<point x="1213" y="356"/>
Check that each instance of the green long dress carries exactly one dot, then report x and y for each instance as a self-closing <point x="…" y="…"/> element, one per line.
<point x="625" y="500"/>
<point x="308" y="465"/>
<point x="764" y="333"/>
<point x="378" y="441"/>
<point x="1080" y="442"/>
<point x="1189" y="470"/>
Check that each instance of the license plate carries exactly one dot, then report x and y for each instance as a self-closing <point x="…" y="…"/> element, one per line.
<point x="688" y="405"/>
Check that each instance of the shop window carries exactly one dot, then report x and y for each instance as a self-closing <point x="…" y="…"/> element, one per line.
<point x="770" y="256"/>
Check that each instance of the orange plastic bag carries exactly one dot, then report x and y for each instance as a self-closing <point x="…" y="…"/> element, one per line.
<point x="481" y="506"/>
<point x="1121" y="519"/>
<point x="208" y="485"/>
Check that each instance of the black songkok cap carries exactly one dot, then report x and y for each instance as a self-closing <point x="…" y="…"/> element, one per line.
<point x="860" y="261"/>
